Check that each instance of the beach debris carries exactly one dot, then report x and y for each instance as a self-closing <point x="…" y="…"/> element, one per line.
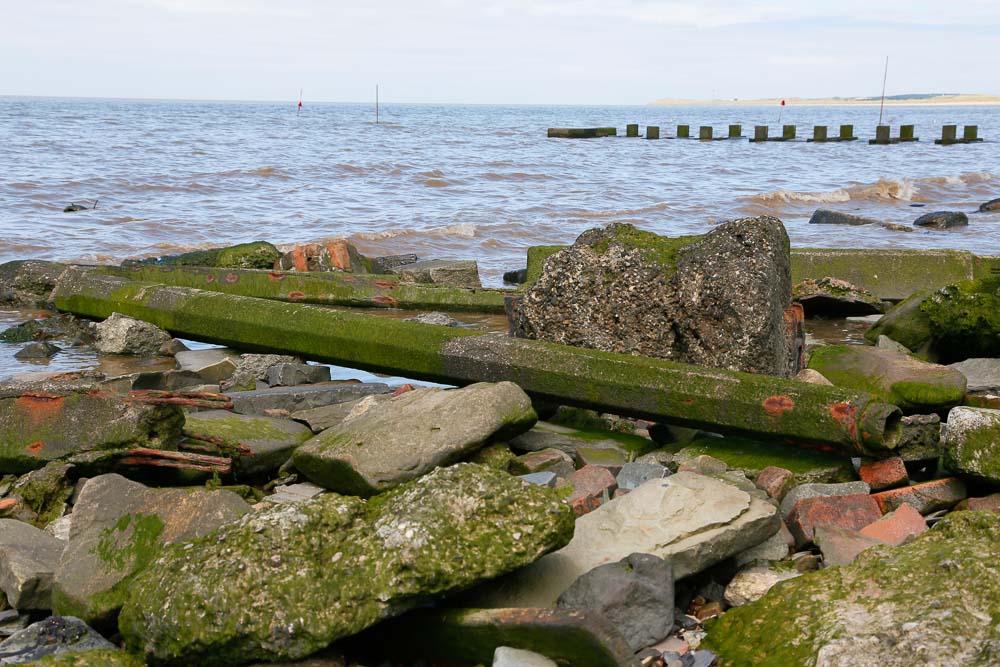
<point x="126" y="335"/>
<point x="884" y="474"/>
<point x="925" y="497"/>
<point x="942" y="220"/>
<point x="338" y="563"/>
<point x="599" y="293"/>
<point x="825" y="216"/>
<point x="119" y="527"/>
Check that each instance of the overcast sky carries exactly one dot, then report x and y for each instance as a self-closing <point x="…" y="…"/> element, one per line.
<point x="496" y="51"/>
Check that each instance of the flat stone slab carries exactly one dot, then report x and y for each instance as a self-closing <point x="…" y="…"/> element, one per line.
<point x="983" y="374"/>
<point x="412" y="434"/>
<point x="304" y="397"/>
<point x="691" y="520"/>
<point x="28" y="559"/>
<point x="213" y="365"/>
<point x="455" y="273"/>
<point x="118" y="529"/>
<point x="292" y="375"/>
<point x="271" y="440"/>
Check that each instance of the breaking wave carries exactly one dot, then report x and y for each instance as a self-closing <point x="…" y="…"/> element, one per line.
<point x="462" y="230"/>
<point x="885" y="189"/>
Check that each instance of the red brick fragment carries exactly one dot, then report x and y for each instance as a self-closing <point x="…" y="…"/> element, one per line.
<point x="854" y="512"/>
<point x="938" y="494"/>
<point x="897" y="527"/>
<point x="590" y="483"/>
<point x="775" y="481"/>
<point x="886" y="474"/>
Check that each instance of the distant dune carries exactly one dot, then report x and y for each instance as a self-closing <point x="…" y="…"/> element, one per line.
<point x="929" y="99"/>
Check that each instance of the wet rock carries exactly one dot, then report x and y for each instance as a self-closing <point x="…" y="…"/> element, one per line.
<point x="212" y="365"/>
<point x="28" y="282"/>
<point x="894" y="227"/>
<point x="853" y="512"/>
<point x="387" y="263"/>
<point x="603" y="457"/>
<point x="982" y="375"/>
<point x="885" y="474"/>
<point x="172" y="347"/>
<point x="751" y="583"/>
<point x="303" y="397"/>
<point x="411" y="434"/>
<point x="636" y="595"/>
<point x="257" y="444"/>
<point x="592" y="485"/>
<point x="253" y="367"/>
<point x="833" y="297"/>
<point x="965" y="320"/>
<point x="37" y="350"/>
<point x="120" y="334"/>
<point x="439" y="319"/>
<point x="28" y="558"/>
<point x="942" y="220"/>
<point x="64" y="326"/>
<point x="927" y="497"/>
<point x="803" y="491"/>
<point x="972" y="443"/>
<point x="895" y="607"/>
<point x="119" y="527"/>
<point x="291" y="375"/>
<point x="55" y="635"/>
<point x="914" y="385"/>
<point x="460" y="273"/>
<point x="254" y="255"/>
<point x="691" y="520"/>
<point x="332" y="255"/>
<point x="329" y="567"/>
<point x="992" y="206"/>
<point x="47" y="420"/>
<point x="897" y="527"/>
<point x="824" y="216"/>
<point x="598" y="294"/>
<point x="840" y="546"/>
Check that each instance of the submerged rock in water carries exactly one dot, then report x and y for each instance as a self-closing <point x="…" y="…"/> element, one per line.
<point x="38" y="350"/>
<point x="715" y="300"/>
<point x="942" y="220"/>
<point x="932" y="601"/>
<point x="992" y="206"/>
<point x="824" y="216"/>
<point x="287" y="581"/>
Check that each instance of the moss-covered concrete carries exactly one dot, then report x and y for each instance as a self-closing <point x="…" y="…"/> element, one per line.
<point x="965" y="319"/>
<point x="934" y="600"/>
<point x="329" y="288"/>
<point x="752" y="456"/>
<point x="287" y="581"/>
<point x="253" y="255"/>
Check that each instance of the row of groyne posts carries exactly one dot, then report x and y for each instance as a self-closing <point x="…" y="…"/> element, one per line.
<point x="761" y="133"/>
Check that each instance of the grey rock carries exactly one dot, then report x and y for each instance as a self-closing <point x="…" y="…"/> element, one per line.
<point x="28" y="559"/>
<point x="440" y="319"/>
<point x="387" y="263"/>
<point x="251" y="368"/>
<point x="213" y="365"/>
<point x="505" y="656"/>
<point x="458" y="273"/>
<point x="689" y="519"/>
<point x="270" y="440"/>
<point x="325" y="416"/>
<point x="118" y="528"/>
<point x="295" y="399"/>
<point x="636" y="594"/>
<point x="120" y="334"/>
<point x="983" y="374"/>
<point x="294" y="493"/>
<point x="942" y="220"/>
<point x="412" y="434"/>
<point x="170" y="380"/>
<point x="972" y="443"/>
<point x="172" y="347"/>
<point x="544" y="478"/>
<point x="833" y="297"/>
<point x="53" y="636"/>
<point x="824" y="216"/>
<point x="703" y="658"/>
<point x="775" y="547"/>
<point x="598" y="294"/>
<point x="887" y="343"/>
<point x="60" y="528"/>
<point x="992" y="206"/>
<point x="28" y="282"/>
<point x="632" y="475"/>
<point x="38" y="350"/>
<point x="920" y="439"/>
<point x="291" y="375"/>
<point x="803" y="491"/>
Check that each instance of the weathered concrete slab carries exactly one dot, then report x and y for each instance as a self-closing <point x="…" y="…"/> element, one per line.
<point x="257" y="444"/>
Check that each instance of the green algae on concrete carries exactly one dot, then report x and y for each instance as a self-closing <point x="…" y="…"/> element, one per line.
<point x="253" y="255"/>
<point x="752" y="456"/>
<point x="916" y="386"/>
<point x="287" y="581"/>
<point x="335" y="288"/>
<point x="905" y="324"/>
<point x="102" y="657"/>
<point x="659" y="390"/>
<point x="935" y="600"/>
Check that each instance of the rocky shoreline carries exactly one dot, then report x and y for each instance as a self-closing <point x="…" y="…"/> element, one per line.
<point x="736" y="495"/>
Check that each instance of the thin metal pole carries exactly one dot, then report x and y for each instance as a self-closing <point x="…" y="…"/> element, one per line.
<point x="885" y="75"/>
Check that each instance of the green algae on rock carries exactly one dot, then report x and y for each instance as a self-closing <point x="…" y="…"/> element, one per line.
<point x="287" y="581"/>
<point x="254" y="255"/>
<point x="102" y="657"/>
<point x="257" y="444"/>
<point x="752" y="456"/>
<point x="936" y="598"/>
<point x="972" y="443"/>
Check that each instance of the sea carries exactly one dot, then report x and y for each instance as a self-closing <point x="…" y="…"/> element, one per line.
<point x="476" y="182"/>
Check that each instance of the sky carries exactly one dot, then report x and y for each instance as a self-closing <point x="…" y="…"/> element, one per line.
<point x="496" y="51"/>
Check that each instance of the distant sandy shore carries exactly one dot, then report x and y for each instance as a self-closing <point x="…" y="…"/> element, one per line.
<point x="936" y="101"/>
